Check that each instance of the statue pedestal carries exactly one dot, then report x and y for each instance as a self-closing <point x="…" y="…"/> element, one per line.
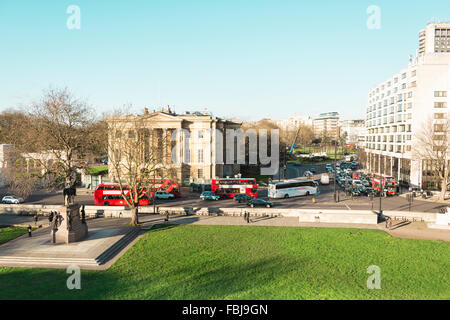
<point x="71" y="228"/>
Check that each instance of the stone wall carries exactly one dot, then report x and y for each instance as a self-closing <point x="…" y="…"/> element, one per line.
<point x="305" y="215"/>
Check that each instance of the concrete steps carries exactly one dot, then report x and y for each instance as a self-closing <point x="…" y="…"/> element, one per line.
<point x="45" y="262"/>
<point x="112" y="251"/>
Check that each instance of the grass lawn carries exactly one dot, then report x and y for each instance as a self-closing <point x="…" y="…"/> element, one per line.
<point x="320" y="160"/>
<point x="10" y="233"/>
<point x="97" y="170"/>
<point x="240" y="262"/>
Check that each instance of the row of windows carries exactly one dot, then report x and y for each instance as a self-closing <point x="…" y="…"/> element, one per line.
<point x="373" y="115"/>
<point x="389" y="83"/>
<point x="389" y="120"/>
<point x="400" y="128"/>
<point x="390" y="148"/>
<point x="391" y="138"/>
<point x="399" y="98"/>
<point x="441" y="32"/>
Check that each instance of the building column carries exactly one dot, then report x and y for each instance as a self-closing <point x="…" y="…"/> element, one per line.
<point x="178" y="146"/>
<point x="165" y="144"/>
<point x="368" y="161"/>
<point x="399" y="168"/>
<point x="379" y="163"/>
<point x="391" y="166"/>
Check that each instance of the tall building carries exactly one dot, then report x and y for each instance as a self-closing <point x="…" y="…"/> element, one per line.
<point x="326" y="125"/>
<point x="435" y="38"/>
<point x="198" y="144"/>
<point x="398" y="108"/>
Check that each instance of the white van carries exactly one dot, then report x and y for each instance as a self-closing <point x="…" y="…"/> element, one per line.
<point x="325" y="179"/>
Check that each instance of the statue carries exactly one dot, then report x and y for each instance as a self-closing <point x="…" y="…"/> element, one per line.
<point x="67" y="227"/>
<point x="69" y="194"/>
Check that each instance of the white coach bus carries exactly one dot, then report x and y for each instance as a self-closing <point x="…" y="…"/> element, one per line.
<point x="292" y="188"/>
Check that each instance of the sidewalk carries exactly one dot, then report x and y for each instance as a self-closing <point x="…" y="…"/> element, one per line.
<point x="107" y="240"/>
<point x="432" y="199"/>
<point x="413" y="230"/>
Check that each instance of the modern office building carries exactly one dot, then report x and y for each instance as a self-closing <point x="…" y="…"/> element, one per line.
<point x="326" y="125"/>
<point x="399" y="107"/>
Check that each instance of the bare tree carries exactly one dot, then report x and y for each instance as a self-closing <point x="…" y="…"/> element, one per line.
<point x="18" y="176"/>
<point x="61" y="129"/>
<point x="137" y="153"/>
<point x="362" y="156"/>
<point x="305" y="135"/>
<point x="432" y="147"/>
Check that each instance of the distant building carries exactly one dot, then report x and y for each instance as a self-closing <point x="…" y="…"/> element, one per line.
<point x="355" y="130"/>
<point x="326" y="125"/>
<point x="294" y="122"/>
<point x="6" y="151"/>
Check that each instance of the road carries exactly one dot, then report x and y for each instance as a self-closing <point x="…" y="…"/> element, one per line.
<point x="324" y="200"/>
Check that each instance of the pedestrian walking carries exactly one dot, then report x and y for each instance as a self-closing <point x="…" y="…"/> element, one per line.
<point x="36" y="218"/>
<point x="248" y="217"/>
<point x="50" y="218"/>
<point x="83" y="214"/>
<point x="167" y="216"/>
<point x="29" y="230"/>
<point x="388" y="223"/>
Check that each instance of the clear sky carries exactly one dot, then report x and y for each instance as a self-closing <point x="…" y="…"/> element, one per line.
<point x="250" y="59"/>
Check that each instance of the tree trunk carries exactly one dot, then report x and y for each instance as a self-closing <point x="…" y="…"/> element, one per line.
<point x="443" y="189"/>
<point x="134" y="216"/>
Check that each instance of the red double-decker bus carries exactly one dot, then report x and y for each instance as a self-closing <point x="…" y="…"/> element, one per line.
<point x="110" y="195"/>
<point x="168" y="185"/>
<point x="384" y="183"/>
<point x="229" y="187"/>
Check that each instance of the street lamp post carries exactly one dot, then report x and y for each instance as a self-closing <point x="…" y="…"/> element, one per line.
<point x="154" y="192"/>
<point x="381" y="196"/>
<point x="336" y="198"/>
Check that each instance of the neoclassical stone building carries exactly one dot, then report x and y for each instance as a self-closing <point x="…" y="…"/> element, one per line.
<point x="191" y="145"/>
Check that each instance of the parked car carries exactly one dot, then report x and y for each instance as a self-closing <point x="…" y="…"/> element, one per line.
<point x="208" y="195"/>
<point x="308" y="174"/>
<point x="242" y="198"/>
<point x="366" y="183"/>
<point x="259" y="202"/>
<point x="163" y="195"/>
<point x="12" y="200"/>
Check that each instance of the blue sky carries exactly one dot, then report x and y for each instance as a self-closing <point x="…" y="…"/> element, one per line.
<point x="247" y="59"/>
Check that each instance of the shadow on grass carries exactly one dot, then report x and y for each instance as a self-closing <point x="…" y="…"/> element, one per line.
<point x="234" y="281"/>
